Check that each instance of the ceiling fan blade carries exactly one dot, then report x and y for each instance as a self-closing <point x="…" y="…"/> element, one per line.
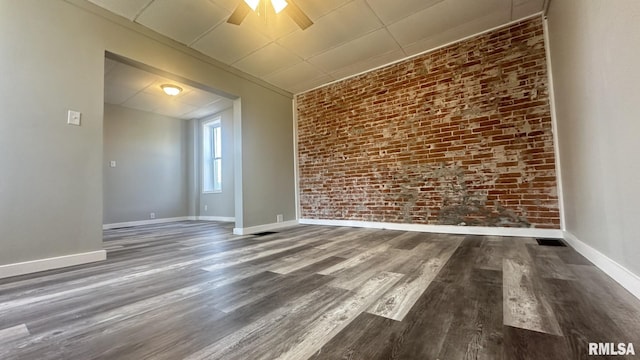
<point x="241" y="12"/>
<point x="298" y="16"/>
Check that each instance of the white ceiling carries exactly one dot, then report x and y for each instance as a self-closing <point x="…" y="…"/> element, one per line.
<point x="137" y="89"/>
<point x="348" y="36"/>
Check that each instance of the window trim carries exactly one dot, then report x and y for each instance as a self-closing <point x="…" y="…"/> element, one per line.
<point x="215" y="121"/>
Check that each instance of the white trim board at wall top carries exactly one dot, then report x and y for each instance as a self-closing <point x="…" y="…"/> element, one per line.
<point x="167" y="220"/>
<point x="442" y="229"/>
<point x="617" y="272"/>
<point x="28" y="267"/>
<point x="266" y="227"/>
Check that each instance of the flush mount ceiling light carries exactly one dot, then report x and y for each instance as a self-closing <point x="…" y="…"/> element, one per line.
<point x="171" y="90"/>
<point x="253" y="4"/>
<point x="288" y="6"/>
<point x="278" y="5"/>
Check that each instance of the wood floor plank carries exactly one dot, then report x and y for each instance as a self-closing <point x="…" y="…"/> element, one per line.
<point x="620" y="302"/>
<point x="584" y="318"/>
<point x="241" y="342"/>
<point x="13" y="333"/>
<point x="397" y="302"/>
<point x="354" y="276"/>
<point x="357" y="260"/>
<point x="476" y="329"/>
<point x="525" y="344"/>
<point x="490" y="255"/>
<point x="366" y="337"/>
<point x="524" y="306"/>
<point x="317" y="333"/>
<point x="548" y="264"/>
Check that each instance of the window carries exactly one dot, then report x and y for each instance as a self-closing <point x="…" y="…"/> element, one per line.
<point x="212" y="156"/>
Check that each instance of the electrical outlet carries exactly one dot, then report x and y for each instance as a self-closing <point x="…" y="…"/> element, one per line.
<point x="206" y="207"/>
<point x="279" y="218"/>
<point x="112" y="163"/>
<point x="152" y="216"/>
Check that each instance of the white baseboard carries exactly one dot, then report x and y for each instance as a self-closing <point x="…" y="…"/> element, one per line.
<point x="442" y="229"/>
<point x="215" y="218"/>
<point x="617" y="272"/>
<point x="145" y="222"/>
<point x="167" y="220"/>
<point x="32" y="266"/>
<point x="266" y="227"/>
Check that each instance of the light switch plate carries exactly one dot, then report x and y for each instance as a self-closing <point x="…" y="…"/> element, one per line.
<point x="73" y="117"/>
<point x="112" y="163"/>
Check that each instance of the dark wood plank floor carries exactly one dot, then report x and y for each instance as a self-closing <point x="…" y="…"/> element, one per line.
<point x="191" y="290"/>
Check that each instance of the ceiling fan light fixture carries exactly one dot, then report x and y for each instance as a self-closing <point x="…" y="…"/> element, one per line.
<point x="253" y="4"/>
<point x="171" y="90"/>
<point x="279" y="5"/>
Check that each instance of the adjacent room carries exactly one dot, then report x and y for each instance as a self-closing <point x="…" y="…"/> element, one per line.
<point x="305" y="179"/>
<point x="163" y="151"/>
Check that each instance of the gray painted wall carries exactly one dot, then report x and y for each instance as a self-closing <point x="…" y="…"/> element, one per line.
<point x="594" y="56"/>
<point x="222" y="203"/>
<point x="51" y="60"/>
<point x="150" y="151"/>
<point x="271" y="145"/>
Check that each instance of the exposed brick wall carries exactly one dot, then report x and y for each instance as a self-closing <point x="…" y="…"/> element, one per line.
<point x="461" y="135"/>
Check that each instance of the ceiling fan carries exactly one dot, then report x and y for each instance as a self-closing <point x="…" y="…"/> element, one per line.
<point x="288" y="6"/>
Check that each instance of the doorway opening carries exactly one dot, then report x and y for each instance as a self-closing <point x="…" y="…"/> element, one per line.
<point x="167" y="157"/>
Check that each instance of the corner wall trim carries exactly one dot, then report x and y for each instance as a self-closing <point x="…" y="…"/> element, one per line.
<point x="617" y="272"/>
<point x="32" y="266"/>
<point x="266" y="227"/>
<point x="443" y="229"/>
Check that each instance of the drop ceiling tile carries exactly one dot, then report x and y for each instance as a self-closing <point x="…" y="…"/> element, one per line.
<point x="114" y="94"/>
<point x="199" y="98"/>
<point x="173" y="108"/>
<point x="444" y="16"/>
<point x="459" y="32"/>
<point x="267" y="60"/>
<point x="293" y="75"/>
<point x="126" y="8"/>
<point x="374" y="44"/>
<point x="130" y="77"/>
<point x="229" y="43"/>
<point x="227" y="4"/>
<point x="525" y="8"/>
<point x="208" y="110"/>
<point x="311" y="84"/>
<point x="142" y="101"/>
<point x="316" y="9"/>
<point x="219" y="106"/>
<point x="339" y="26"/>
<point x="368" y="64"/>
<point x="184" y="20"/>
<point x="392" y="11"/>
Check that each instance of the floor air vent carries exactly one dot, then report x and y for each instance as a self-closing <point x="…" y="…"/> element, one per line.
<point x="265" y="233"/>
<point x="550" y="242"/>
